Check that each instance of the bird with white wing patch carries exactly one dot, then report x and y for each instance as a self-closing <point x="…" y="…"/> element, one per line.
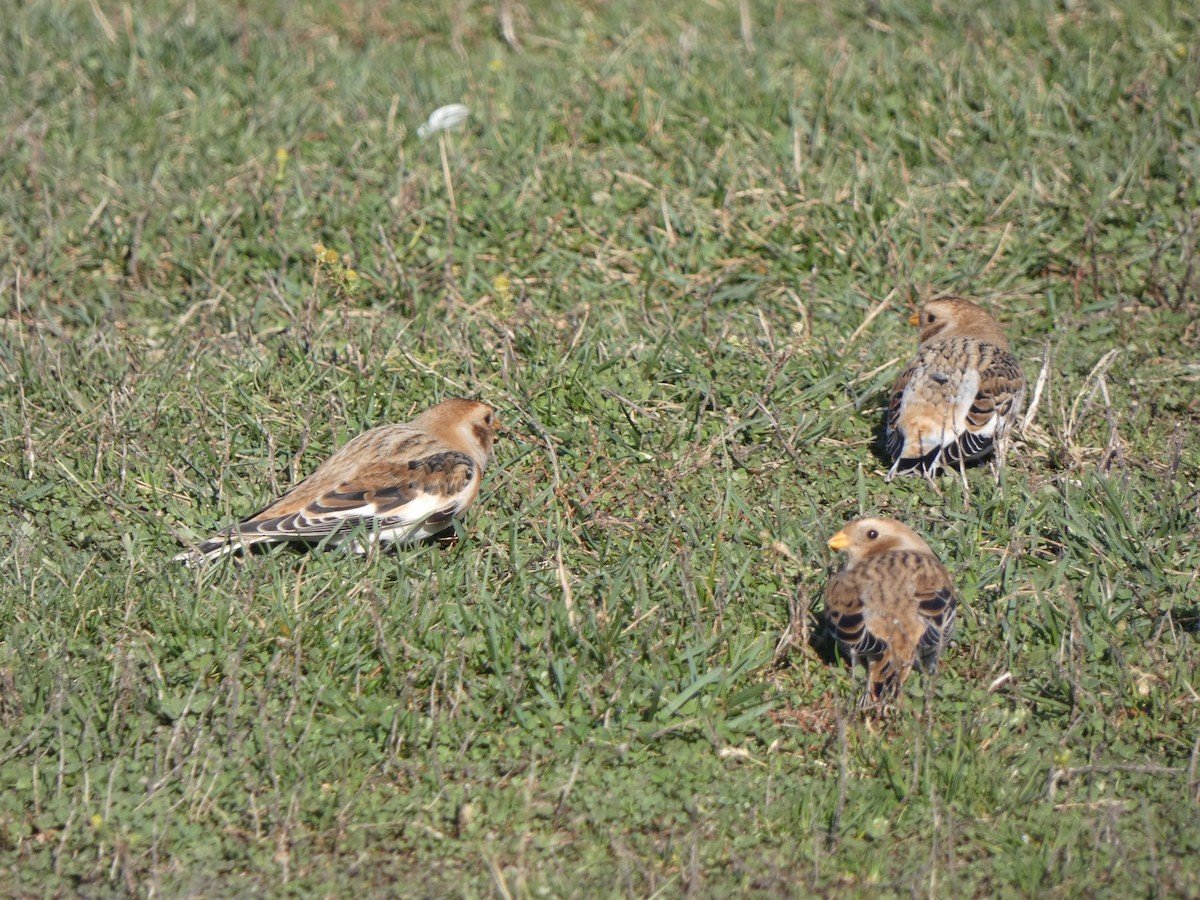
<point x="396" y="483"/>
<point x="960" y="397"/>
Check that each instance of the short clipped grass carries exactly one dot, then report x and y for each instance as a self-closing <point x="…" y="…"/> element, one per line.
<point x="675" y="246"/>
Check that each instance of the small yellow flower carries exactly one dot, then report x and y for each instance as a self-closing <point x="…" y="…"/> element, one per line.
<point x="281" y="156"/>
<point x="319" y="250"/>
<point x="351" y="276"/>
<point x="496" y="65"/>
<point x="97" y="820"/>
<point x="330" y="256"/>
<point x="502" y="286"/>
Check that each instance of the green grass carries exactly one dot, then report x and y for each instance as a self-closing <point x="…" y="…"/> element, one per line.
<point x="679" y="263"/>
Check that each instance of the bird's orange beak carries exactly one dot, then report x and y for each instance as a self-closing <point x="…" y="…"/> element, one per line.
<point x="914" y="319"/>
<point x="839" y="541"/>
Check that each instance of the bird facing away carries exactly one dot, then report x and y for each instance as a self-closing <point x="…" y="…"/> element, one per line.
<point x="959" y="397"/>
<point x="402" y="482"/>
<point x="892" y="605"/>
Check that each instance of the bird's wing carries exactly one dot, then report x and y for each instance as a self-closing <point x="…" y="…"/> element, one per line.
<point x="385" y="494"/>
<point x="895" y="434"/>
<point x="936" y="606"/>
<point x="928" y="411"/>
<point x="997" y="402"/>
<point x="959" y="395"/>
<point x="846" y="611"/>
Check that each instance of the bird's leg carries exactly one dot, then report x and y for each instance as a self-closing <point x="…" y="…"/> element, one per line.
<point x="962" y="473"/>
<point x="893" y="470"/>
<point x="864" y="700"/>
<point x="928" y="472"/>
<point x="999" y="456"/>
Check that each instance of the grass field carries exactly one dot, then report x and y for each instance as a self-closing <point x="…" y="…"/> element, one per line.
<point x="675" y="246"/>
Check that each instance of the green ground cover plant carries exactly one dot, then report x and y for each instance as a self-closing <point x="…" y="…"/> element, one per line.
<point x="675" y="247"/>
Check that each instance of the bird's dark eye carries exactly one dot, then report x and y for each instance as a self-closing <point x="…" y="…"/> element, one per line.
<point x="872" y="534"/>
<point x="488" y="418"/>
<point x="931" y="318"/>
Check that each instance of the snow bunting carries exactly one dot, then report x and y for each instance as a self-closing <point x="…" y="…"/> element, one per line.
<point x="961" y="394"/>
<point x="892" y="604"/>
<point x="399" y="482"/>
